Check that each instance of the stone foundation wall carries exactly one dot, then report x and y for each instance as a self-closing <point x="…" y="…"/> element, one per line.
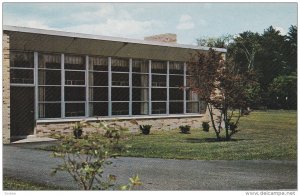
<point x="158" y="124"/>
<point x="5" y="89"/>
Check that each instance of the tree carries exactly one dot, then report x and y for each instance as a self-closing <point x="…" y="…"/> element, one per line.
<point x="283" y="92"/>
<point x="223" y="89"/>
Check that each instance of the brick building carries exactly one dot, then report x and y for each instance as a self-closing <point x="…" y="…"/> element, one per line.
<point x="52" y="79"/>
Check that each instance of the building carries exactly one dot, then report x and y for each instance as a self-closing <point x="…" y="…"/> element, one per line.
<point x="52" y="79"/>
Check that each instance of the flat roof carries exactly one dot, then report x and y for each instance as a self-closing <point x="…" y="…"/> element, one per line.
<point x="104" y="38"/>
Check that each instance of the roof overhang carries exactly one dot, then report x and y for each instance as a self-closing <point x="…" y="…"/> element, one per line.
<point x="30" y="39"/>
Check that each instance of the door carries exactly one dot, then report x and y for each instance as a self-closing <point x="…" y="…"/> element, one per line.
<point x="22" y="111"/>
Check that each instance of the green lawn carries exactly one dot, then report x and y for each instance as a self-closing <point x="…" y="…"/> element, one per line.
<point x="16" y="184"/>
<point x="263" y="135"/>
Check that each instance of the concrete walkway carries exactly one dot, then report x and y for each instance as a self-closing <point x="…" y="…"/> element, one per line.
<point x="24" y="162"/>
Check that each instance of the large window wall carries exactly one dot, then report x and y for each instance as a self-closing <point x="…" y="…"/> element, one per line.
<point x="70" y="86"/>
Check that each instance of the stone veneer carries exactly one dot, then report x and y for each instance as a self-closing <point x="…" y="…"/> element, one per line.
<point x="5" y="90"/>
<point x="158" y="124"/>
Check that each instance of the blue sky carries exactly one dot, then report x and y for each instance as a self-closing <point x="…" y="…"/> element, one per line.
<point x="137" y="20"/>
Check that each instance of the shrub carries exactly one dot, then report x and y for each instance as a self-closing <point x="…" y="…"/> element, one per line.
<point x="185" y="128"/>
<point x="145" y="129"/>
<point x="205" y="126"/>
<point x="85" y="159"/>
<point x="77" y="130"/>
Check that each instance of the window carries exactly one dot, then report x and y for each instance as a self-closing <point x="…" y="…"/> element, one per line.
<point x="49" y="81"/>
<point x="176" y="68"/>
<point x="176" y="108"/>
<point x="21" y="67"/>
<point x="140" y="108"/>
<point x="120" y="79"/>
<point x="74" y="93"/>
<point x="159" y="94"/>
<point x="98" y="109"/>
<point x="159" y="107"/>
<point x="159" y="80"/>
<point x="176" y="81"/>
<point x="120" y="108"/>
<point x="75" y="90"/>
<point x="159" y="67"/>
<point x="141" y="80"/>
<point x="90" y="88"/>
<point x="75" y="109"/>
<point x="120" y="65"/>
<point x="140" y="66"/>
<point x="98" y="82"/>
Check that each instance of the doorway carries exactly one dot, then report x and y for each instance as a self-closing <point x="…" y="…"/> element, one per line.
<point x="22" y="111"/>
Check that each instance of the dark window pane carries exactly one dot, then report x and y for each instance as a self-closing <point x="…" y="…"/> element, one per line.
<point x="139" y="108"/>
<point x="21" y="76"/>
<point x="50" y="110"/>
<point x="74" y="78"/>
<point x="176" y="108"/>
<point x="159" y="67"/>
<point x="191" y="96"/>
<point x="98" y="63"/>
<point x="203" y="106"/>
<point x="175" y="94"/>
<point x="120" y="79"/>
<point x="21" y="59"/>
<point x="75" y="109"/>
<point x="159" y="94"/>
<point x="140" y="80"/>
<point x="119" y="94"/>
<point x="159" y="80"/>
<point x="98" y="94"/>
<point x="192" y="107"/>
<point x="158" y="108"/>
<point x="99" y="109"/>
<point x="176" y="68"/>
<point x="120" y="108"/>
<point x="75" y="93"/>
<point x="98" y="79"/>
<point x="140" y="66"/>
<point x="49" y="77"/>
<point x="176" y="81"/>
<point x="75" y="62"/>
<point x="50" y="93"/>
<point x="120" y="65"/>
<point x="50" y="61"/>
<point x="140" y="94"/>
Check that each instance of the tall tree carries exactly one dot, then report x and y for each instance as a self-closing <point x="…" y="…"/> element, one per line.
<point x="221" y="87"/>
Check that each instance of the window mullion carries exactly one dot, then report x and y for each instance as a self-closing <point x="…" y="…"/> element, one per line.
<point x="168" y="87"/>
<point x="86" y="86"/>
<point x="62" y="85"/>
<point x="109" y="87"/>
<point x="130" y="87"/>
<point x="36" y="88"/>
<point x="184" y="90"/>
<point x="150" y="86"/>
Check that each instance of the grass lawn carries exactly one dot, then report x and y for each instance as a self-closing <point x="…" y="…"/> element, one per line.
<point x="263" y="135"/>
<point x="16" y="184"/>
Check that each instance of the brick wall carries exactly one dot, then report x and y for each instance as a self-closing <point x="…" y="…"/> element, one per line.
<point x="5" y="90"/>
<point x="159" y="124"/>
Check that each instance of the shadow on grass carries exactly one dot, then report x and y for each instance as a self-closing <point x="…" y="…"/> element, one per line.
<point x="208" y="140"/>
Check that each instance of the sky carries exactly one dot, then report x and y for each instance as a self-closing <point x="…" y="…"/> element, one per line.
<point x="138" y="20"/>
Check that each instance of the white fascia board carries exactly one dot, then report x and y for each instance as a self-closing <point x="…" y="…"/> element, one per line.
<point x="104" y="38"/>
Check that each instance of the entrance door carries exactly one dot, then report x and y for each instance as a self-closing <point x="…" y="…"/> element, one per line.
<point x="22" y="111"/>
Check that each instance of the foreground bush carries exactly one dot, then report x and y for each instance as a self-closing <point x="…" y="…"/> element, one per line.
<point x="85" y="159"/>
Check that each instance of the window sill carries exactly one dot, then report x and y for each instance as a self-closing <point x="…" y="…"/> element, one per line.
<point x="62" y="120"/>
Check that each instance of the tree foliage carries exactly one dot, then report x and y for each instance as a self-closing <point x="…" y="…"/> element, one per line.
<point x="222" y="87"/>
<point x="268" y="55"/>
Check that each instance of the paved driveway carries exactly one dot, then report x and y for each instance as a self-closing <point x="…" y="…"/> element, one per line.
<point x="24" y="162"/>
